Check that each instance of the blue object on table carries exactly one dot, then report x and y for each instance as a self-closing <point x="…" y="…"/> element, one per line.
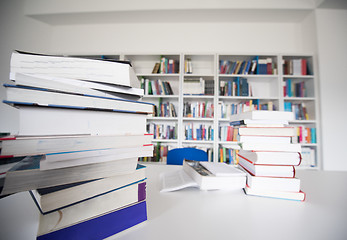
<point x="177" y="155"/>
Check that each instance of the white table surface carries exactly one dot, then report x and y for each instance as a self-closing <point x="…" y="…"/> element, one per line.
<point x="194" y="214"/>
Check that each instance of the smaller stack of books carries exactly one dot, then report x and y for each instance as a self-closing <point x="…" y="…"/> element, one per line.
<point x="79" y="138"/>
<point x="267" y="154"/>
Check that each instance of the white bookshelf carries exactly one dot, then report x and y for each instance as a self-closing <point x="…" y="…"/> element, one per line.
<point x="265" y="88"/>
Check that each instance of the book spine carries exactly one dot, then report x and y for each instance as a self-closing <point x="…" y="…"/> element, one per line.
<point x="102" y="226"/>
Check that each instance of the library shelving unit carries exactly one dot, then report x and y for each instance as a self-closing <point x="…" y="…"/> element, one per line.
<point x="283" y="82"/>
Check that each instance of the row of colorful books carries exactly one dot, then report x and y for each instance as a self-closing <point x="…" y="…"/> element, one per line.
<point x="165" y="109"/>
<point x="76" y="150"/>
<point x="299" y="110"/>
<point x="166" y="65"/>
<point x="304" y="134"/>
<point x="254" y="66"/>
<point x="198" y="109"/>
<point x="156" y="87"/>
<point x="237" y="87"/>
<point x="202" y="132"/>
<point x="294" y="89"/>
<point x="162" y="131"/>
<point x="228" y="156"/>
<point x="225" y="110"/>
<point x="298" y="66"/>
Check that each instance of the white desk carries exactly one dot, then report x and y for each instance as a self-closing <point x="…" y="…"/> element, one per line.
<point x="194" y="214"/>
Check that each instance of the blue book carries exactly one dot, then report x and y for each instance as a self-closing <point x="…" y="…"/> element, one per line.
<point x="313" y="135"/>
<point x="229" y="88"/>
<point x="102" y="226"/>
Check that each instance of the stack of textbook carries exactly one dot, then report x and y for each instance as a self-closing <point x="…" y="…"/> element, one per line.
<point x="81" y="132"/>
<point x="267" y="154"/>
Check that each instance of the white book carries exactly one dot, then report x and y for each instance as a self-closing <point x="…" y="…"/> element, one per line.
<point x="264" y="146"/>
<point x="73" y="85"/>
<point x="72" y="67"/>
<point x="27" y="175"/>
<point x="111" y="155"/>
<point x="24" y="146"/>
<point x="211" y="176"/>
<point x="265" y="139"/>
<point x="267" y="170"/>
<point x="89" y="208"/>
<point x="286" y="195"/>
<point x="35" y="120"/>
<point x="263" y="114"/>
<point x="266" y="131"/>
<point x="41" y="97"/>
<point x="273" y="183"/>
<point x="57" y="197"/>
<point x="272" y="158"/>
<point x="260" y="122"/>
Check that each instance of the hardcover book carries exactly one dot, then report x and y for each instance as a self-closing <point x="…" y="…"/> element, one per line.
<point x="89" y="208"/>
<point x="34" y="120"/>
<point x="113" y="72"/>
<point x="102" y="226"/>
<point x="43" y="97"/>
<point x="53" y="198"/>
<point x="27" y="175"/>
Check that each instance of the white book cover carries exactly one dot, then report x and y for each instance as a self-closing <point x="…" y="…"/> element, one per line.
<point x="271" y="157"/>
<point x="76" y="68"/>
<point x="24" y="146"/>
<point x="263" y="114"/>
<point x="35" y="120"/>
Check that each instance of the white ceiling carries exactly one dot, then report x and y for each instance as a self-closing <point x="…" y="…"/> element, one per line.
<point x="77" y="12"/>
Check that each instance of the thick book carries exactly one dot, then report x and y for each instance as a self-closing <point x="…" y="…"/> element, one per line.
<point x="260" y="123"/>
<point x="101" y="226"/>
<point x="264" y="139"/>
<point x="263" y="114"/>
<point x="35" y="120"/>
<point x="265" y="146"/>
<point x="76" y="158"/>
<point x="27" y="175"/>
<point x="266" y="131"/>
<point x="113" y="72"/>
<point x="35" y="145"/>
<point x="286" y="195"/>
<point x="211" y="176"/>
<point x="89" y="208"/>
<point x="54" y="198"/>
<point x="267" y="170"/>
<point x="75" y="85"/>
<point x="273" y="183"/>
<point x="271" y="158"/>
<point x="44" y="97"/>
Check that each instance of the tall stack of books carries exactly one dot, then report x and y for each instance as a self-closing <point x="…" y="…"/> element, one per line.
<point x="80" y="135"/>
<point x="267" y="154"/>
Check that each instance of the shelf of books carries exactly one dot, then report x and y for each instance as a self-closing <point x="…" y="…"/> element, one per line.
<point x="196" y="93"/>
<point x="300" y="96"/>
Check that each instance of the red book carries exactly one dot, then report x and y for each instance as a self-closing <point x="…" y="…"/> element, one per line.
<point x="303" y="66"/>
<point x="261" y="170"/>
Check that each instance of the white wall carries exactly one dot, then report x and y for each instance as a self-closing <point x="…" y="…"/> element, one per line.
<point x="22" y="33"/>
<point x="178" y="37"/>
<point x="332" y="41"/>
